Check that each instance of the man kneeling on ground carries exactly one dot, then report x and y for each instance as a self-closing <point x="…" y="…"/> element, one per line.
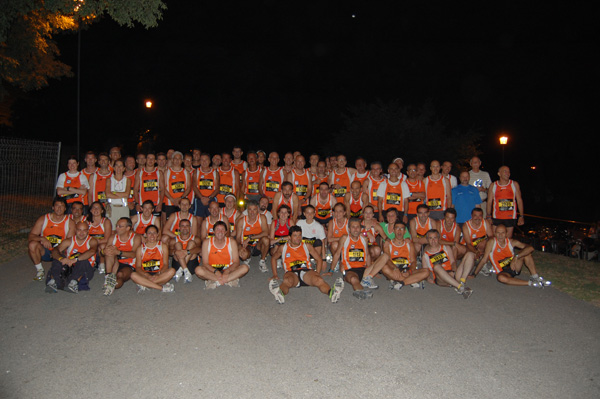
<point x="73" y="261"/>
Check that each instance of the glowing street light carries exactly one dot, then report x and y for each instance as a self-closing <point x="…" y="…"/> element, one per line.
<point x="503" y="142"/>
<point x="148" y="104"/>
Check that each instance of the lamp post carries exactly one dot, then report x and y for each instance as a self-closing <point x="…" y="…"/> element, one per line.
<point x="503" y="142"/>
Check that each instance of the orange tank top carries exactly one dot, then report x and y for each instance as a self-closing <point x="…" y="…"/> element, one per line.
<point x="354" y="253"/>
<point x="125" y="246"/>
<point x="227" y="184"/>
<point x="55" y="232"/>
<point x="504" y="201"/>
<point x="206" y="181"/>
<point x="400" y="254"/>
<point x="75" y="249"/>
<point x="152" y="258"/>
<point x="300" y="183"/>
<point x="149" y="186"/>
<point x="252" y="180"/>
<point x="343" y="180"/>
<point x="272" y="182"/>
<point x="476" y="235"/>
<point x="413" y="203"/>
<point x="295" y="258"/>
<point x="219" y="258"/>
<point x="97" y="230"/>
<point x="176" y="184"/>
<point x="99" y="189"/>
<point x="435" y="194"/>
<point x="501" y="256"/>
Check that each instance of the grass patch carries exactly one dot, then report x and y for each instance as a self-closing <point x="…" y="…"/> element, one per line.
<point x="576" y="277"/>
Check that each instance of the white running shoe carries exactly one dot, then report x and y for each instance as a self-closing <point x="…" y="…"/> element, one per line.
<point x="262" y="265"/>
<point x="168" y="287"/>
<point x="337" y="289"/>
<point x="187" y="275"/>
<point x="276" y="291"/>
<point x="178" y="274"/>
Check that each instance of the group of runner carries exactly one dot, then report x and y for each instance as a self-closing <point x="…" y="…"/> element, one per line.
<point x="161" y="218"/>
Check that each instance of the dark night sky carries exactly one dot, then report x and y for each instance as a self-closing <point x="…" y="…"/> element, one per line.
<point x="266" y="74"/>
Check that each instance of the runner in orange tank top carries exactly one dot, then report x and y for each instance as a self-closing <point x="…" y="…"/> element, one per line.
<point x="295" y="256"/>
<point x="450" y="233"/>
<point x="229" y="180"/>
<point x="476" y="233"/>
<point x="149" y="185"/>
<point x="505" y="203"/>
<point x="47" y="232"/>
<point x="439" y="260"/>
<point x="78" y="253"/>
<point x="272" y="177"/>
<point x="220" y="260"/>
<point x="355" y="261"/>
<point x="186" y="252"/>
<point x="507" y="264"/>
<point x="340" y="179"/>
<point x="120" y="255"/>
<point x="152" y="264"/>
<point x="253" y="236"/>
<point x="401" y="267"/>
<point x="301" y="181"/>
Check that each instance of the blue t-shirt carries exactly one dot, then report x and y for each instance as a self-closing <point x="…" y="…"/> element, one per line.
<point x="464" y="199"/>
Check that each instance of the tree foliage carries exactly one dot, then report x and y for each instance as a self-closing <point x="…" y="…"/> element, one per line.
<point x="385" y="130"/>
<point x="28" y="55"/>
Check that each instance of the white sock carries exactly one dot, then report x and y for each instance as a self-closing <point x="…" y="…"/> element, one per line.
<point x="39" y="267"/>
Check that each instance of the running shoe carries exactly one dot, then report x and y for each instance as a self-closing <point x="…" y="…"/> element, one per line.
<point x="168" y="287"/>
<point x="141" y="289"/>
<point x="101" y="268"/>
<point x="233" y="283"/>
<point x="210" y="284"/>
<point x="51" y="287"/>
<point x="467" y="292"/>
<point x="178" y="274"/>
<point x="39" y="275"/>
<point x="368" y="282"/>
<point x="73" y="287"/>
<point x="398" y="286"/>
<point x="276" y="291"/>
<point x="262" y="265"/>
<point x="336" y="290"/>
<point x="363" y="294"/>
<point x="187" y="276"/>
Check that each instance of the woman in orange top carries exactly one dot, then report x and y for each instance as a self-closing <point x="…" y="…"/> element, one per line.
<point x="152" y="264"/>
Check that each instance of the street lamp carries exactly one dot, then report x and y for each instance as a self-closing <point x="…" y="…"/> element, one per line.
<point x="503" y="142"/>
<point x="148" y="104"/>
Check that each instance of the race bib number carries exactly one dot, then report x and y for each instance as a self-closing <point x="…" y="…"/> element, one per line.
<point x="506" y="205"/>
<point x="178" y="186"/>
<point x="272" y="186"/>
<point x="151" y="266"/>
<point x="151" y="185"/>
<point x="434" y="204"/>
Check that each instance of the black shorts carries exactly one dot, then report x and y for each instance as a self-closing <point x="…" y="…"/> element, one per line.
<point x="300" y="273"/>
<point x="506" y="222"/>
<point x="170" y="209"/>
<point x="507" y="269"/>
<point x="324" y="221"/>
<point x="360" y="271"/>
<point x="315" y="242"/>
<point x="192" y="264"/>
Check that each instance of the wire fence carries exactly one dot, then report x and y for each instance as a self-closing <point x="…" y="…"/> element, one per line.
<point x="28" y="173"/>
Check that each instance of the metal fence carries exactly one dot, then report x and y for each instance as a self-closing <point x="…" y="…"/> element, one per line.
<point x="28" y="173"/>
